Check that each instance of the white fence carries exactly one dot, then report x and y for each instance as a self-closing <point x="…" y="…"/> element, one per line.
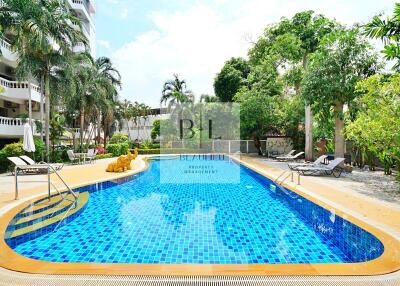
<point x="273" y="145"/>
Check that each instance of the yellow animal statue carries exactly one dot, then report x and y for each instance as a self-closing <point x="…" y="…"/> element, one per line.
<point x="123" y="163"/>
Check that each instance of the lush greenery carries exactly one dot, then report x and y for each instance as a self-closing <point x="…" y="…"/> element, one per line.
<point x="312" y="62"/>
<point x="45" y="34"/>
<point x="376" y="129"/>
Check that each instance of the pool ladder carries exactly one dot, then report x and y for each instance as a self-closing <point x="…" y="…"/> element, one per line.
<point x="288" y="173"/>
<point x="63" y="195"/>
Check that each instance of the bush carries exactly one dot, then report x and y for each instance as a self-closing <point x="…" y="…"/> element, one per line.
<point x="100" y="150"/>
<point x="10" y="150"/>
<point x="117" y="149"/>
<point x="148" y="151"/>
<point x="149" y="145"/>
<point x="119" y="138"/>
<point x="104" y="156"/>
<point x="39" y="145"/>
<point x="166" y="151"/>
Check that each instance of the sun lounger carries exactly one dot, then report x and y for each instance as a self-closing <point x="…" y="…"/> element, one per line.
<point x="91" y="155"/>
<point x="72" y="157"/>
<point x="290" y="158"/>
<point x="28" y="169"/>
<point x="287" y="155"/>
<point x="316" y="163"/>
<point x="28" y="160"/>
<point x="332" y="168"/>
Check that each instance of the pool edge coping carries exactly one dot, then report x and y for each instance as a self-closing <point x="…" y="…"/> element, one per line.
<point x="385" y="264"/>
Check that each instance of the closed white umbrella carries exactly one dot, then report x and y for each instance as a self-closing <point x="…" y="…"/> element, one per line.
<point x="29" y="144"/>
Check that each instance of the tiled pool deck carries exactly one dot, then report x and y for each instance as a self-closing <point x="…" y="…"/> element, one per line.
<point x="370" y="212"/>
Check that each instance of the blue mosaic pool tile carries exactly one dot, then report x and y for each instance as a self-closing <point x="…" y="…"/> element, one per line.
<point x="140" y="220"/>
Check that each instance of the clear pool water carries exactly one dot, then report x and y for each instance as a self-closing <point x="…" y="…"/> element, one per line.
<point x="245" y="221"/>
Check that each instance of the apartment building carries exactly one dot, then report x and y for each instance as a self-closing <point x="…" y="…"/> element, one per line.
<point x="18" y="99"/>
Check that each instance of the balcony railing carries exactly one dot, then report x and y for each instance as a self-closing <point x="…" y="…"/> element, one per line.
<point x="85" y="3"/>
<point x="18" y="85"/>
<point x="14" y="126"/>
<point x="5" y="44"/>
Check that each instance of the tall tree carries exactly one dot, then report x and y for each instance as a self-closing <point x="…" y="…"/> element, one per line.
<point x="292" y="41"/>
<point x="389" y="31"/>
<point x="329" y="83"/>
<point x="43" y="36"/>
<point x="231" y="78"/>
<point x="175" y="92"/>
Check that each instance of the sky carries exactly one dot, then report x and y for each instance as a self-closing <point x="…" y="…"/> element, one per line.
<point x="150" y="40"/>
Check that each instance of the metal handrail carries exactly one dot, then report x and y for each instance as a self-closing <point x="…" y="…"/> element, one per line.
<point x="290" y="174"/>
<point x="47" y="166"/>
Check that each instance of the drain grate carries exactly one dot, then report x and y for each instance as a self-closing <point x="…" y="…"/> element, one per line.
<point x="11" y="278"/>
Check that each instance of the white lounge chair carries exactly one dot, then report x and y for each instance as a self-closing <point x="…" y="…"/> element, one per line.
<point x="290" y="158"/>
<point x="23" y="167"/>
<point x="316" y="163"/>
<point x="56" y="166"/>
<point x="72" y="157"/>
<point x="332" y="168"/>
<point x="286" y="155"/>
<point x="91" y="155"/>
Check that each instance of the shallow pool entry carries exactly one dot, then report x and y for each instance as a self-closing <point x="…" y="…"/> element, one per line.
<point x="164" y="216"/>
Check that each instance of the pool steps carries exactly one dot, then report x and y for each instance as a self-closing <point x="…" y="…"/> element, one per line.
<point x="44" y="213"/>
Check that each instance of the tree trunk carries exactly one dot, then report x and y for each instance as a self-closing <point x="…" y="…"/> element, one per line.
<point x="82" y="123"/>
<point x="339" y="125"/>
<point x="308" y="128"/>
<point x="42" y="95"/>
<point x="308" y="150"/>
<point x="47" y="116"/>
<point x="99" y="127"/>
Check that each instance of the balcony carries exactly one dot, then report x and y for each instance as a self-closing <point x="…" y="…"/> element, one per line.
<point x="82" y="7"/>
<point x="9" y="57"/>
<point x="19" y="91"/>
<point x="14" y="127"/>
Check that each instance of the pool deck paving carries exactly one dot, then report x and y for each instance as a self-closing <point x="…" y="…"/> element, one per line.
<point x="379" y="213"/>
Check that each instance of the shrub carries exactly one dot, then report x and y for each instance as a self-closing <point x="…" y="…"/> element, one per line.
<point x="149" y="145"/>
<point x="148" y="151"/>
<point x="39" y="145"/>
<point x="119" y="138"/>
<point x="104" y="156"/>
<point x="100" y="150"/>
<point x="117" y="149"/>
<point x="10" y="150"/>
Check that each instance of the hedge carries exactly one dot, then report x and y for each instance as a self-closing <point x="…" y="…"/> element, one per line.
<point x="166" y="151"/>
<point x="104" y="156"/>
<point x="117" y="149"/>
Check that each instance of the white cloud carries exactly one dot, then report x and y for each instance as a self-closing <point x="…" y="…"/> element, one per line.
<point x="196" y="41"/>
<point x="104" y="44"/>
<point x="124" y="13"/>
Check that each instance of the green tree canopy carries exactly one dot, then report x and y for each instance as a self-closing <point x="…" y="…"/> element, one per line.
<point x="231" y="78"/>
<point x="387" y="30"/>
<point x="377" y="126"/>
<point x="329" y="82"/>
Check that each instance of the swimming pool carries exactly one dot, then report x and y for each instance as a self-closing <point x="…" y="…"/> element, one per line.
<point x="245" y="219"/>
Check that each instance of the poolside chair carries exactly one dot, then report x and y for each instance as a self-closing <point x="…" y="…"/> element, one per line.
<point x="332" y="168"/>
<point x="290" y="158"/>
<point x="286" y="155"/>
<point x="316" y="163"/>
<point x="72" y="157"/>
<point x="56" y="166"/>
<point x="23" y="167"/>
<point x="91" y="155"/>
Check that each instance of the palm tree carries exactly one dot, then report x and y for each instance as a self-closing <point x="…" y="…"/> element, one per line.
<point x="44" y="37"/>
<point x="389" y="32"/>
<point x="208" y="98"/>
<point x="111" y="81"/>
<point x="94" y="87"/>
<point x="175" y="92"/>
